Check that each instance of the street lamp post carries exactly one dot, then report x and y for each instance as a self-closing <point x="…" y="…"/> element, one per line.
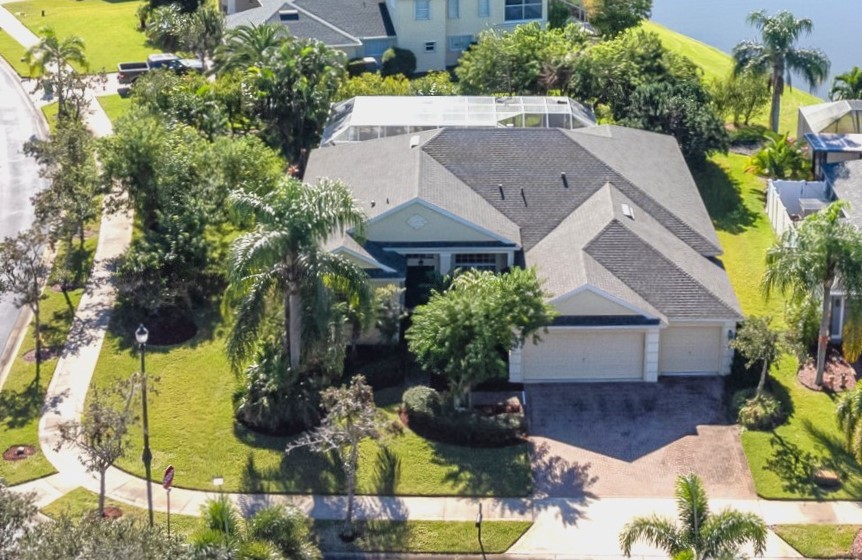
<point x="141" y="335"/>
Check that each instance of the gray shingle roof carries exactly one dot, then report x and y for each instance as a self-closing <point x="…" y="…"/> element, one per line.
<point x="574" y="233"/>
<point x="334" y="22"/>
<point x="845" y="178"/>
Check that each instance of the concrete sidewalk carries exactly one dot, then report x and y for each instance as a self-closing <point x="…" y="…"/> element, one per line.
<point x="563" y="528"/>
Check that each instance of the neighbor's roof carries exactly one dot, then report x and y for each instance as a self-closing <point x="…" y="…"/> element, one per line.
<point x="334" y="22"/>
<point x="573" y="229"/>
<point x="845" y="178"/>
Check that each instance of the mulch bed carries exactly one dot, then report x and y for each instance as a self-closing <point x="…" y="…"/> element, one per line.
<point x="112" y="512"/>
<point x="838" y="377"/>
<point x="169" y="326"/>
<point x="45" y="354"/>
<point x="19" y="452"/>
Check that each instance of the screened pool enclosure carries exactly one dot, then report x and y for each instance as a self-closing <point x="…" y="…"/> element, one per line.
<point x="366" y="118"/>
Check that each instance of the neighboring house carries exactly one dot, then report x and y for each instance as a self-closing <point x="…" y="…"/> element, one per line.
<point x="609" y="216"/>
<point x="787" y="202"/>
<point x="436" y="31"/>
<point x="833" y="131"/>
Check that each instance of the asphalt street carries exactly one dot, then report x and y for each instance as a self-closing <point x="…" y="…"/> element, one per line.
<point x="19" y="174"/>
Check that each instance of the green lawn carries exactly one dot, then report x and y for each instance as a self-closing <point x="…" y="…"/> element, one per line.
<point x="21" y="397"/>
<point x="80" y="502"/>
<point x="109" y="28"/>
<point x="717" y="64"/>
<point x="12" y="51"/>
<point x="452" y="537"/>
<point x="819" y="541"/>
<point x="192" y="428"/>
<point x="114" y="105"/>
<point x="735" y="201"/>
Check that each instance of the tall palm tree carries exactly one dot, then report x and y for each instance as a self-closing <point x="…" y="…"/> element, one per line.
<point x="699" y="535"/>
<point x="778" y="56"/>
<point x="51" y="58"/>
<point x="809" y="258"/>
<point x="283" y="252"/>
<point x="847" y="85"/>
<point x="249" y="45"/>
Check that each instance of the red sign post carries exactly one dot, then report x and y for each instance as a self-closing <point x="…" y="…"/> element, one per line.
<point x="167" y="481"/>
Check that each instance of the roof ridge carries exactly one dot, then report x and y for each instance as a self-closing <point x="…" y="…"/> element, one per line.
<point x="615" y="222"/>
<point x="319" y="19"/>
<point x="634" y="185"/>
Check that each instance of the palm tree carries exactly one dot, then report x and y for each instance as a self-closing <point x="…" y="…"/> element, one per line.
<point x="249" y="45"/>
<point x="282" y="253"/>
<point x="849" y="412"/>
<point x="780" y="158"/>
<point x="51" y="58"/>
<point x="699" y="535"/>
<point x="847" y="85"/>
<point x="809" y="258"/>
<point x="776" y="55"/>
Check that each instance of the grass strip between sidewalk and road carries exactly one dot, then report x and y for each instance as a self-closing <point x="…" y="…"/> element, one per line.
<point x="13" y="51"/>
<point x="22" y="394"/>
<point x="82" y="503"/>
<point x="435" y="537"/>
<point x="819" y="541"/>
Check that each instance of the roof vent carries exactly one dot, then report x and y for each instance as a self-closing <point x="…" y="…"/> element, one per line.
<point x="414" y="140"/>
<point x="627" y="211"/>
<point x="524" y="197"/>
<point x="288" y="15"/>
<point x="565" y="181"/>
<point x="502" y="193"/>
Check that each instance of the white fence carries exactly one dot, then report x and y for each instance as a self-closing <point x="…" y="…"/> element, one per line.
<point x="785" y="201"/>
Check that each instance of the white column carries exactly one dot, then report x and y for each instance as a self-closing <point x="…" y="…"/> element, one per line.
<point x="651" y="341"/>
<point x="231" y="7"/>
<point x="516" y="375"/>
<point x="510" y="259"/>
<point x="445" y="263"/>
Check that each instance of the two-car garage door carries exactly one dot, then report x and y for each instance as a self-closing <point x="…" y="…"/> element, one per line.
<point x="570" y="354"/>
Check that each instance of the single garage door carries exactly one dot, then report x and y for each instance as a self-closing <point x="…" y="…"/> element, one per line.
<point x="570" y="355"/>
<point x="690" y="350"/>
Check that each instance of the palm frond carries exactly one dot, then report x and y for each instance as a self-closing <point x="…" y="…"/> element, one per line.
<point x="655" y="531"/>
<point x="725" y="532"/>
<point x="692" y="506"/>
<point x="812" y="64"/>
<point x="252" y="296"/>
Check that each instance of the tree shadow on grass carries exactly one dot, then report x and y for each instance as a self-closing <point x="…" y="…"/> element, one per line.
<point x="721" y="195"/>
<point x="387" y="472"/>
<point x="19" y="408"/>
<point x="838" y="458"/>
<point x="503" y="471"/>
<point x="794" y="466"/>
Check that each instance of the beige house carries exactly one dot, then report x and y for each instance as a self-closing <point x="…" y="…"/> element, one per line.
<point x="609" y="216"/>
<point x="436" y="31"/>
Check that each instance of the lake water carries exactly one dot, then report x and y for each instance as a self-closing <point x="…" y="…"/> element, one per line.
<point x="722" y="24"/>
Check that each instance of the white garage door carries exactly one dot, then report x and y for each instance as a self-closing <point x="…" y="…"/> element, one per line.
<point x="577" y="355"/>
<point x="690" y="350"/>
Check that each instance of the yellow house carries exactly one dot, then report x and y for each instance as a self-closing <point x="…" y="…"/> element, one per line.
<point x="436" y="31"/>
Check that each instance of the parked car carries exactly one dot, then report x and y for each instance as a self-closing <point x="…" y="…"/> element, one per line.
<point x="128" y="72"/>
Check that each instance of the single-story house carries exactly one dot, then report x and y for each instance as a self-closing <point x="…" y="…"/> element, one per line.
<point x="609" y="216"/>
<point x="787" y="202"/>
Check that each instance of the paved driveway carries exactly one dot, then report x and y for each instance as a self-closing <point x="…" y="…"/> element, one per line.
<point x="634" y="439"/>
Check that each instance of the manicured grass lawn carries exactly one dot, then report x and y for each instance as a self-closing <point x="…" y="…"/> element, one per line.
<point x="21" y="396"/>
<point x="192" y="428"/>
<point x="819" y="541"/>
<point x="114" y="105"/>
<point x="12" y="51"/>
<point x="80" y="503"/>
<point x="50" y="111"/>
<point x="452" y="537"/>
<point x="109" y="28"/>
<point x="717" y="65"/>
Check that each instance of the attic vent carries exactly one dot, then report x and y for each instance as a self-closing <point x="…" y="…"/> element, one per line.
<point x="414" y="140"/>
<point x="627" y="211"/>
<point x="288" y="15"/>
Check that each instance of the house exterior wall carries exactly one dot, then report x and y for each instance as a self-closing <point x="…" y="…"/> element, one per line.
<point x="590" y="303"/>
<point x="575" y="354"/>
<point x="413" y="34"/>
<point x="418" y="223"/>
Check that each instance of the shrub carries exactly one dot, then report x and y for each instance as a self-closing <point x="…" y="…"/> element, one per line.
<point x="357" y="67"/>
<point x="421" y="400"/>
<point x="761" y="413"/>
<point x="429" y="418"/>
<point x="398" y="61"/>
